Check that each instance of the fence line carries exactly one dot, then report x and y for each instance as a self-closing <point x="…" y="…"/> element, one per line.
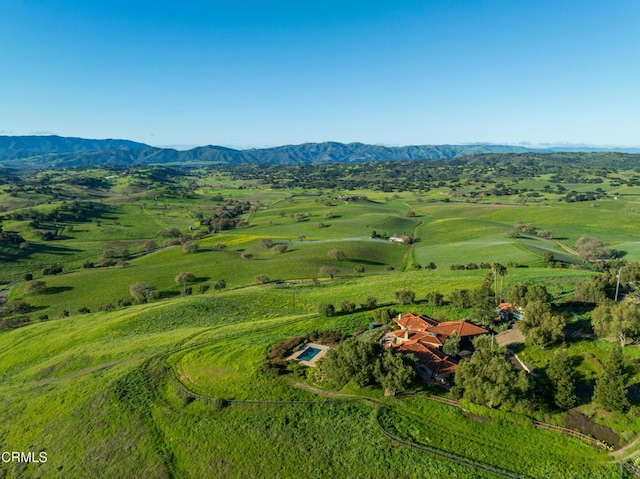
<point x="543" y="425"/>
<point x="461" y="460"/>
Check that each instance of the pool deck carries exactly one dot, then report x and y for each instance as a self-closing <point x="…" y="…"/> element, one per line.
<point x="312" y="362"/>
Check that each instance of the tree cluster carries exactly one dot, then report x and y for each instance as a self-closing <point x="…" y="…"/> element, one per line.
<point x="367" y="363"/>
<point x="540" y="326"/>
<point x="592" y="249"/>
<point x="621" y="320"/>
<point x="488" y="377"/>
<point x="227" y="216"/>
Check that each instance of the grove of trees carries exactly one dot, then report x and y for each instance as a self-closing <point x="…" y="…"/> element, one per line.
<point x="367" y="363"/>
<point x="488" y="377"/>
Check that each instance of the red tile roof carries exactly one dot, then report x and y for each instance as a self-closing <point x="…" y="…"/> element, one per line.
<point x="432" y="340"/>
<point x="462" y="327"/>
<point x="414" y="322"/>
<point x="505" y="307"/>
<point x="424" y="337"/>
<point x="437" y="362"/>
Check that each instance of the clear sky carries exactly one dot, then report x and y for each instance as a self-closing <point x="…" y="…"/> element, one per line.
<point x="257" y="73"/>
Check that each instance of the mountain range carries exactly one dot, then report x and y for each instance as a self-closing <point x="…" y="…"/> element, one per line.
<point x="57" y="151"/>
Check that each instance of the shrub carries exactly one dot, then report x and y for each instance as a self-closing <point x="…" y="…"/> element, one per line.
<point x="185" y="277"/>
<point x="383" y="315"/>
<point x="17" y="307"/>
<point x="370" y="303"/>
<point x="330" y="271"/>
<point x="35" y="287"/>
<point x="171" y="242"/>
<point x="219" y="247"/>
<point x="435" y="298"/>
<point x="52" y="270"/>
<point x="266" y="243"/>
<point x="189" y="247"/>
<point x="143" y="292"/>
<point x="336" y="254"/>
<point x="203" y="288"/>
<point x="326" y="309"/>
<point x="170" y="233"/>
<point x="148" y="245"/>
<point x="28" y="277"/>
<point x="347" y="306"/>
<point x="84" y="310"/>
<point x="280" y="248"/>
<point x="107" y="307"/>
<point x="261" y="278"/>
<point x="405" y="296"/>
<point x="460" y="298"/>
<point x="283" y="349"/>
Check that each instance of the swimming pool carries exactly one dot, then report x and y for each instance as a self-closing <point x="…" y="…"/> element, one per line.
<point x="308" y="354"/>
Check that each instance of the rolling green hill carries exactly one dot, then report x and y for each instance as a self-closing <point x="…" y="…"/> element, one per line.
<point x="176" y="387"/>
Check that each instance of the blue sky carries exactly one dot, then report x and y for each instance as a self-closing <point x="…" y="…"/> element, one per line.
<point x="264" y="73"/>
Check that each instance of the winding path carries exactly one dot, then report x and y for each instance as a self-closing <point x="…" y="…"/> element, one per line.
<point x="331" y="397"/>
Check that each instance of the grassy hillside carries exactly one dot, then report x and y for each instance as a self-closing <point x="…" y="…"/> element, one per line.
<point x="170" y="387"/>
<point x="96" y="377"/>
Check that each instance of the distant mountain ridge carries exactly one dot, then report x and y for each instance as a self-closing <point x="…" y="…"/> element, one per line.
<point x="57" y="151"/>
<point x="13" y="147"/>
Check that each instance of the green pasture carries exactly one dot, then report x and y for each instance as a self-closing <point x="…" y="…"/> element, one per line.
<point x="84" y="377"/>
<point x="492" y="439"/>
<point x="90" y="391"/>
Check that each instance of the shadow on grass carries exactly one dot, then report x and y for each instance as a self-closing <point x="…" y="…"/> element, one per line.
<point x="169" y="294"/>
<point x="368" y="262"/>
<point x="48" y="249"/>
<point x="57" y="289"/>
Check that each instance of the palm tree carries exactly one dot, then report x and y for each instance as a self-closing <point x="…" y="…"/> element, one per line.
<point x="502" y="271"/>
<point x="495" y="268"/>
